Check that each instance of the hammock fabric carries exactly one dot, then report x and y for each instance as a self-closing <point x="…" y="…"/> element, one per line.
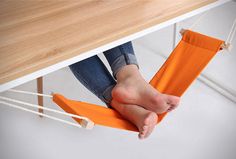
<point x="185" y="63"/>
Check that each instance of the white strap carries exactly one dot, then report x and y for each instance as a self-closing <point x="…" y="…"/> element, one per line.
<point x="44" y="108"/>
<point x="44" y="115"/>
<point x="231" y="35"/>
<point x="31" y="93"/>
<point x="86" y="123"/>
<point x="229" y="40"/>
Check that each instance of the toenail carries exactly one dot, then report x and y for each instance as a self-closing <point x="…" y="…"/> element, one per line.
<point x="141" y="137"/>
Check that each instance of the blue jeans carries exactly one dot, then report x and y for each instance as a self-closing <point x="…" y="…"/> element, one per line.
<point x="93" y="74"/>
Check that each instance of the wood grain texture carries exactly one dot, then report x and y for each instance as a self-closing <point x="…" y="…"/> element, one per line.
<point x="37" y="34"/>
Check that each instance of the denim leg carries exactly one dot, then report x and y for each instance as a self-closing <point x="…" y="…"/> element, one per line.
<point x="93" y="74"/>
<point x="121" y="56"/>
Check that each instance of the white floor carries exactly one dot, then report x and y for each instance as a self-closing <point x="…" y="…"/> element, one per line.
<point x="202" y="127"/>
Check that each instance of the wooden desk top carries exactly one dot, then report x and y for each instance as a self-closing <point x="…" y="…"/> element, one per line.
<point x="37" y="34"/>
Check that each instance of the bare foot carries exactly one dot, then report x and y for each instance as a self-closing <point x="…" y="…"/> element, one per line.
<point x="145" y="120"/>
<point x="131" y="88"/>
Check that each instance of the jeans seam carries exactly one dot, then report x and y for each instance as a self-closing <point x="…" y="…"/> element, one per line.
<point x="122" y="50"/>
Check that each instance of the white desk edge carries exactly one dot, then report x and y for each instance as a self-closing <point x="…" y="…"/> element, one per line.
<point x="57" y="66"/>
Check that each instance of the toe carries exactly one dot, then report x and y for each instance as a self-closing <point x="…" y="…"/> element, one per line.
<point x="150" y="123"/>
<point x="150" y="130"/>
<point x="143" y="132"/>
<point x="172" y="100"/>
<point x="171" y="108"/>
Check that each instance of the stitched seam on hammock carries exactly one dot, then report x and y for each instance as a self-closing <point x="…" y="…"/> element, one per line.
<point x="187" y="40"/>
<point x="202" y="47"/>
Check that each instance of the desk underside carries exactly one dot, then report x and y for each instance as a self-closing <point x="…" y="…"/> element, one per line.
<point x="38" y="34"/>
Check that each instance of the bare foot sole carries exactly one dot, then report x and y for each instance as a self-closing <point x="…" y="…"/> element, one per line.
<point x="145" y="120"/>
<point x="133" y="89"/>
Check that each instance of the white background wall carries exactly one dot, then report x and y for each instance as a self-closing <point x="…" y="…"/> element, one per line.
<point x="203" y="127"/>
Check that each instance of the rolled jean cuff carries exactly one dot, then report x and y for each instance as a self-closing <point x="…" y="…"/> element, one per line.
<point x="123" y="60"/>
<point x="106" y="96"/>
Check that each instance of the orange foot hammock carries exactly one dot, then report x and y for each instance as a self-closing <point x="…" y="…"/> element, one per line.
<point x="185" y="63"/>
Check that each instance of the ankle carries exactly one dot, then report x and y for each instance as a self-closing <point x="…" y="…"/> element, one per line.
<point x="127" y="72"/>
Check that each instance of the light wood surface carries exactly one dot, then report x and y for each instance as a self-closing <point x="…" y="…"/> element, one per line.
<point x="37" y="34"/>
